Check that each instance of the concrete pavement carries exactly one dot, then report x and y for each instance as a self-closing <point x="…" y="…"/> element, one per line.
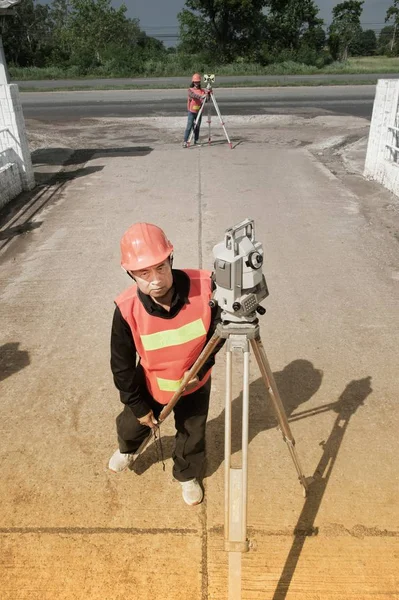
<point x="72" y="530"/>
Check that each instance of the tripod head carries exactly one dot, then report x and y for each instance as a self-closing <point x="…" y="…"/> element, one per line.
<point x="240" y="285"/>
<point x="209" y="79"/>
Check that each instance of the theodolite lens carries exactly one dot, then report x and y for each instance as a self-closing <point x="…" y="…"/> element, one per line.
<point x="255" y="260"/>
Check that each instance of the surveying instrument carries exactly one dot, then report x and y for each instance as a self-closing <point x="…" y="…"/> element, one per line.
<point x="210" y="95"/>
<point x="240" y="286"/>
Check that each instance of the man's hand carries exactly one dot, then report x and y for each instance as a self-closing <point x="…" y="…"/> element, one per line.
<point x="192" y="383"/>
<point x="149" y="420"/>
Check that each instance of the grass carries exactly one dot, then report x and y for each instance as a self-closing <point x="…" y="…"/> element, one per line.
<point x="366" y="64"/>
<point x="172" y="68"/>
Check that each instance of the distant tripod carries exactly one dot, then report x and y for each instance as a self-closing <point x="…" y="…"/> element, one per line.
<point x="210" y="96"/>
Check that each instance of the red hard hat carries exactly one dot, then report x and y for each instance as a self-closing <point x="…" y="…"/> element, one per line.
<point x="196" y="77"/>
<point x="144" y="245"/>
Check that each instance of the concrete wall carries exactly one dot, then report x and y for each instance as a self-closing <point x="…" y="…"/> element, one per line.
<point x="16" y="173"/>
<point x="382" y="160"/>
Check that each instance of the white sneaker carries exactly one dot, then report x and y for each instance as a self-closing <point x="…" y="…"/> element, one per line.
<point x="119" y="462"/>
<point x="192" y="492"/>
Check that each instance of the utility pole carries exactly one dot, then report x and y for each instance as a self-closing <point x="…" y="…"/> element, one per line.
<point x="393" y="37"/>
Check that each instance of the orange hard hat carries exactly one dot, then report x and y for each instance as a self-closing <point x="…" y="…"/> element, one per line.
<point x="196" y="77"/>
<point x="144" y="245"/>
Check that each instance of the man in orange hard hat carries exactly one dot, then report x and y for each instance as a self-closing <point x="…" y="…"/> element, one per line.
<point x="160" y="326"/>
<point x="196" y="97"/>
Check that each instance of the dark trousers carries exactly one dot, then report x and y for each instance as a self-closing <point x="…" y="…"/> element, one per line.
<point x="190" y="414"/>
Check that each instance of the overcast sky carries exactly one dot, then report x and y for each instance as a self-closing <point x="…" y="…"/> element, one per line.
<point x="158" y="17"/>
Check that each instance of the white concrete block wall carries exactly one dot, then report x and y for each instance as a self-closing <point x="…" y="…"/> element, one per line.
<point x="10" y="183"/>
<point x="10" y="176"/>
<point x="382" y="163"/>
<point x="14" y="149"/>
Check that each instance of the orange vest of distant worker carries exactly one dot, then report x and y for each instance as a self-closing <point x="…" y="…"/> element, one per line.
<point x="194" y="105"/>
<point x="169" y="347"/>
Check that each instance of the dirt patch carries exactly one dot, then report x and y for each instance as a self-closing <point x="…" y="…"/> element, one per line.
<point x="346" y="162"/>
<point x="59" y="149"/>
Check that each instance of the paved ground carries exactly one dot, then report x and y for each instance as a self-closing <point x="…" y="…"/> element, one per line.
<point x="70" y="529"/>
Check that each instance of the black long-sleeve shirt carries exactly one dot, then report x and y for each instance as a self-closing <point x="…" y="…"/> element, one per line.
<point x="127" y="371"/>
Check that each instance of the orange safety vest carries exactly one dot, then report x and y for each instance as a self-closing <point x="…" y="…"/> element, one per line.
<point x="169" y="347"/>
<point x="194" y="105"/>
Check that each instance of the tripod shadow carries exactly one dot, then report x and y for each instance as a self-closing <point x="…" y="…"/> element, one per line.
<point x="12" y="359"/>
<point x="350" y="400"/>
<point x="234" y="143"/>
<point x="297" y="383"/>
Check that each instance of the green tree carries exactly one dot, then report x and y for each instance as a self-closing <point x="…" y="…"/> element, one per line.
<point x="393" y="15"/>
<point x="388" y="42"/>
<point x="60" y="11"/>
<point x="96" y="35"/>
<point x="367" y="43"/>
<point x="222" y="29"/>
<point x="93" y="26"/>
<point x="150" y="47"/>
<point x="294" y="23"/>
<point x="345" y="28"/>
<point x="87" y="34"/>
<point x="27" y="36"/>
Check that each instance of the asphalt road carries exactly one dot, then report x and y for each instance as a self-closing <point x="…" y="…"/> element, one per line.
<point x="60" y="106"/>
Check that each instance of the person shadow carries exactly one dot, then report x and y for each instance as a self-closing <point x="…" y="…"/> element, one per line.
<point x="297" y="383"/>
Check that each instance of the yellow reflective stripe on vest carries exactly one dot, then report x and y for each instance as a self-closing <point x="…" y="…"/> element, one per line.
<point x="174" y="337"/>
<point x="168" y="385"/>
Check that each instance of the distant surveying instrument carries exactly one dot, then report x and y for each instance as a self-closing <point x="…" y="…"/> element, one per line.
<point x="209" y="79"/>
<point x="240" y="286"/>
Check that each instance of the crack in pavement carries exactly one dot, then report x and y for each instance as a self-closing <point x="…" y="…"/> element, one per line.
<point x="331" y="530"/>
<point x="95" y="530"/>
<point x="199" y="209"/>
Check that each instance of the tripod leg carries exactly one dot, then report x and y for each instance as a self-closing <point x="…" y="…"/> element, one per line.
<point x="215" y="104"/>
<point x="227" y="442"/>
<point x="209" y="122"/>
<point x="271" y="387"/>
<point x="244" y="445"/>
<point x="236" y="479"/>
<point x="206" y="352"/>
